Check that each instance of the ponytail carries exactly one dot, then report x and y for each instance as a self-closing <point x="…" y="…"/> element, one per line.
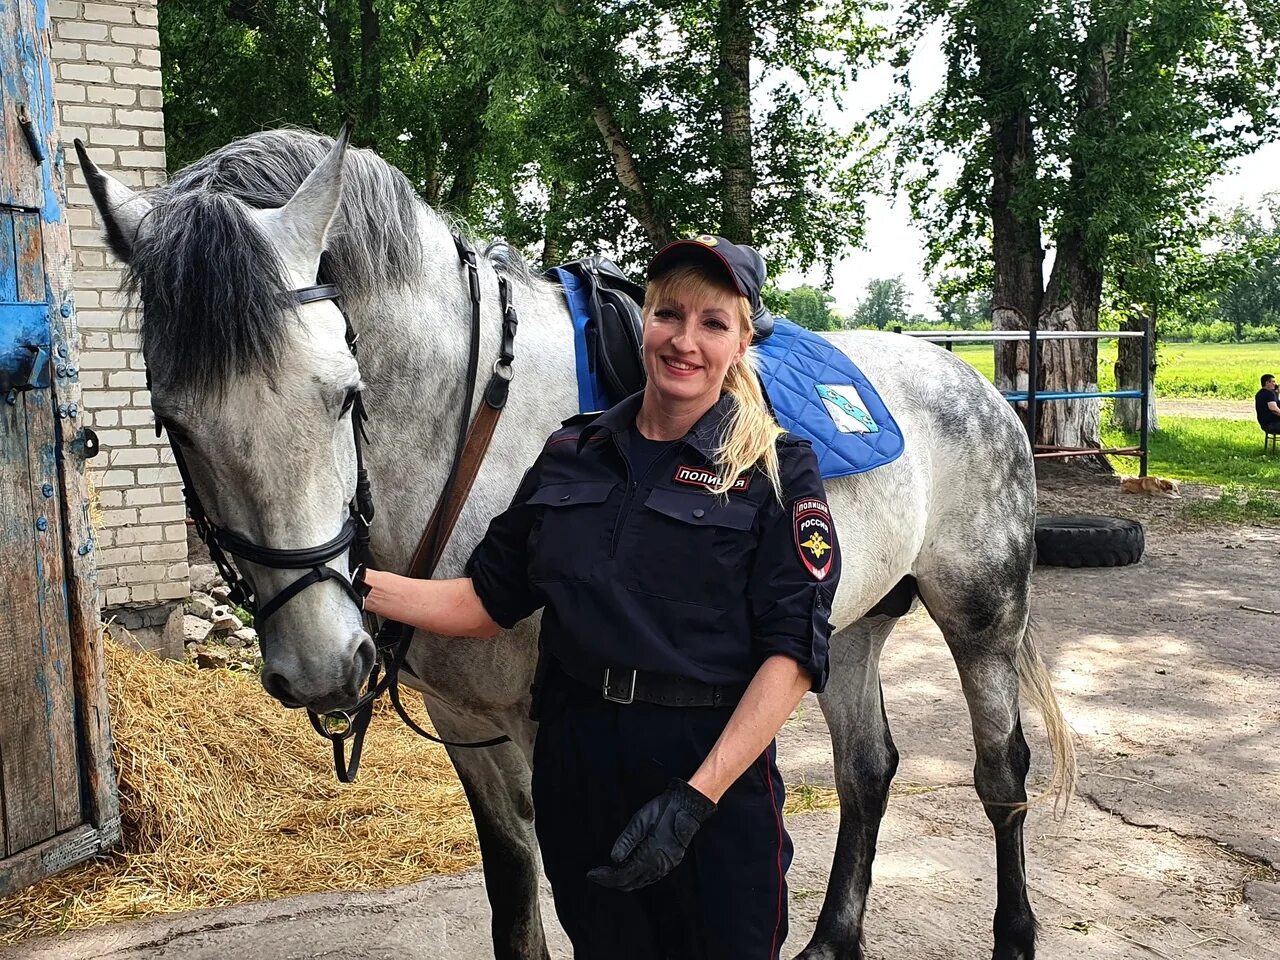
<point x="751" y="434"/>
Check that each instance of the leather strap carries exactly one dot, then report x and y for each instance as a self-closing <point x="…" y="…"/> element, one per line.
<point x="445" y="516"/>
<point x="624" y="686"/>
<point x="479" y="435"/>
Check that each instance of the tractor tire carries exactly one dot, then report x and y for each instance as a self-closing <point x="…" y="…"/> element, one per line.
<point x="1083" y="541"/>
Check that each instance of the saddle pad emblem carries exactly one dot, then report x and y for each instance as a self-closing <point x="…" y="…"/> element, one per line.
<point x="814" y="541"/>
<point x="846" y="408"/>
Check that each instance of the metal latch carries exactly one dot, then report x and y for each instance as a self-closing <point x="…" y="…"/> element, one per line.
<point x="39" y="361"/>
<point x="29" y="131"/>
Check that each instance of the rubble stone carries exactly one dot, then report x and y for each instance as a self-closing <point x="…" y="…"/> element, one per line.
<point x="195" y="629"/>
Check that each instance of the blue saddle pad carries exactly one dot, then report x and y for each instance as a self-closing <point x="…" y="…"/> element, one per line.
<point x="591" y="394"/>
<point x="820" y="394"/>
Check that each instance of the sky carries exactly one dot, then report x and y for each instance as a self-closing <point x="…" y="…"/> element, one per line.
<point x="892" y="244"/>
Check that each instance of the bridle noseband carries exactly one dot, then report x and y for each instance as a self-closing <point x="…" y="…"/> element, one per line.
<point x="392" y="639"/>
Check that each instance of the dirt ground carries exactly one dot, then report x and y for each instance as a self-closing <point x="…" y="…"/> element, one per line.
<point x="1169" y="850"/>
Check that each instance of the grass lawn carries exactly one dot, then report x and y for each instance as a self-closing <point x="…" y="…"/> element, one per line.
<point x="1227" y="371"/>
<point x="1225" y="453"/>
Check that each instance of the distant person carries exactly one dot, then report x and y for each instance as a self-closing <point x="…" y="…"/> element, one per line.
<point x="1267" y="404"/>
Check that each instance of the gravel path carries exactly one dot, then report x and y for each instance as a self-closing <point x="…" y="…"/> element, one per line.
<point x="1205" y="409"/>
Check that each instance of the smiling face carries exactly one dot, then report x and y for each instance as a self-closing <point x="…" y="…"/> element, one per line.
<point x="695" y="329"/>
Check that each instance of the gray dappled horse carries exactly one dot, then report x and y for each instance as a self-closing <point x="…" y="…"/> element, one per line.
<point x="256" y="390"/>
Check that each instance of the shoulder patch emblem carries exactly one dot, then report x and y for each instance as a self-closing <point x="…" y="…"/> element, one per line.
<point x="814" y="540"/>
<point x="707" y="479"/>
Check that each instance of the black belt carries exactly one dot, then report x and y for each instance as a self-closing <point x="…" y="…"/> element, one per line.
<point x="626" y="685"/>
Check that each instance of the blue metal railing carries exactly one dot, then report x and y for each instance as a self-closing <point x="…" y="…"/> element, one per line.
<point x="1032" y="397"/>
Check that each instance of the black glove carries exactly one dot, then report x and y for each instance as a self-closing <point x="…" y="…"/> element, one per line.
<point x="655" y="841"/>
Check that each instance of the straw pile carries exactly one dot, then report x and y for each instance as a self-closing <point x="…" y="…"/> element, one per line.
<point x="227" y="798"/>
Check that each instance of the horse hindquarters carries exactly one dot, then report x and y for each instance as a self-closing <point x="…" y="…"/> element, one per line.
<point x="865" y="762"/>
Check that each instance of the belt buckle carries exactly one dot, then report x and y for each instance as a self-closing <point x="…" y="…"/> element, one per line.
<point x="631" y="689"/>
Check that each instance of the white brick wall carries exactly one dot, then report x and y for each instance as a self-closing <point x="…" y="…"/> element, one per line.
<point x="107" y="58"/>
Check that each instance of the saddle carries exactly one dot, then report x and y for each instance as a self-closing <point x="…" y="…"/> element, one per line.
<point x="606" y="315"/>
<point x="607" y="309"/>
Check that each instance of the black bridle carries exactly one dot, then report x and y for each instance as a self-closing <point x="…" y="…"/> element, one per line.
<point x="392" y="640"/>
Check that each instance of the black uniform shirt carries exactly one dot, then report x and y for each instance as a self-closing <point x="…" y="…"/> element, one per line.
<point x="1266" y="416"/>
<point x="653" y="571"/>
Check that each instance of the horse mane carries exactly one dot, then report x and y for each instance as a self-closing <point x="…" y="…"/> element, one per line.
<point x="214" y="291"/>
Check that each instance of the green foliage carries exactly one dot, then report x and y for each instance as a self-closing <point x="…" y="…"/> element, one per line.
<point x="496" y="110"/>
<point x="1226" y="371"/>
<point x="1129" y="110"/>
<point x="1250" y="301"/>
<point x="811" y="308"/>
<point x="971" y="311"/>
<point x="884" y="306"/>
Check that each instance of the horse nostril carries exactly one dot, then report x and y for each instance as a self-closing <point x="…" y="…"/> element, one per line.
<point x="365" y="654"/>
<point x="278" y="687"/>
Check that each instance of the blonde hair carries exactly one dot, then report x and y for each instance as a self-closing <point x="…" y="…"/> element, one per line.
<point x="750" y="433"/>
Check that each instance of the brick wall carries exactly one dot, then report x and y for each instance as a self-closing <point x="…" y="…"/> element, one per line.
<point x="107" y="58"/>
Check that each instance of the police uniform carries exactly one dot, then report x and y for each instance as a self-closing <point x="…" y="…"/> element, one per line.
<point x="660" y="602"/>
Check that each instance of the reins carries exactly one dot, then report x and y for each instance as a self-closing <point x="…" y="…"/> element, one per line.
<point x="393" y="639"/>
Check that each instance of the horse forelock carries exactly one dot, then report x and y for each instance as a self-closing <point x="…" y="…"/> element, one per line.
<point x="212" y="289"/>
<point x="210" y="282"/>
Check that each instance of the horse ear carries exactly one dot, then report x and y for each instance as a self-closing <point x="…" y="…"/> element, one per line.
<point x="305" y="220"/>
<point x="122" y="209"/>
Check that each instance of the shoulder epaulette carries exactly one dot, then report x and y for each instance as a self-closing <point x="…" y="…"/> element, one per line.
<point x="580" y="419"/>
<point x="791" y="440"/>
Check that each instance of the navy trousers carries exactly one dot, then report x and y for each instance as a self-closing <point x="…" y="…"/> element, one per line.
<point x="595" y="764"/>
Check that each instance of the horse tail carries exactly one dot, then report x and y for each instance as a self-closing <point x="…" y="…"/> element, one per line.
<point x="1035" y="688"/>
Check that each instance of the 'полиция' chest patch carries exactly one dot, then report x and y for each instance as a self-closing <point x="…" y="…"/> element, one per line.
<point x="707" y="479"/>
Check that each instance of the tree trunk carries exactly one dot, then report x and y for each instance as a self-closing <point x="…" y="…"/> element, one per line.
<point x="639" y="203"/>
<point x="339" y="33"/>
<point x="370" y="72"/>
<point x="552" y="248"/>
<point x="1074" y="292"/>
<point x="1018" y="282"/>
<point x="733" y="77"/>
<point x="1128" y="369"/>
<point x="1071" y="302"/>
<point x="1017" y="251"/>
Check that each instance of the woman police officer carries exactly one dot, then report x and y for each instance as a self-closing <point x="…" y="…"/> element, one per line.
<point x="681" y="550"/>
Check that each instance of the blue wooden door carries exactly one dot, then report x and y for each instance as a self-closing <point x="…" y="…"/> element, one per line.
<point x="41" y="795"/>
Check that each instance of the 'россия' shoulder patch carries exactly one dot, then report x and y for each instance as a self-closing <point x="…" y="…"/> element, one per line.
<point x="815" y="542"/>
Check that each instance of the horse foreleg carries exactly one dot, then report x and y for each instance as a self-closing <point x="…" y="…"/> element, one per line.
<point x="496" y="781"/>
<point x="865" y="761"/>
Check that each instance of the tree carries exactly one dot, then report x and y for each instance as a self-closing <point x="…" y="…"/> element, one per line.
<point x="811" y="308"/>
<point x="407" y="74"/>
<point x="574" y="126"/>
<point x="970" y="311"/>
<point x="1251" y="245"/>
<point x="884" y="306"/>
<point x="1096" y="123"/>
